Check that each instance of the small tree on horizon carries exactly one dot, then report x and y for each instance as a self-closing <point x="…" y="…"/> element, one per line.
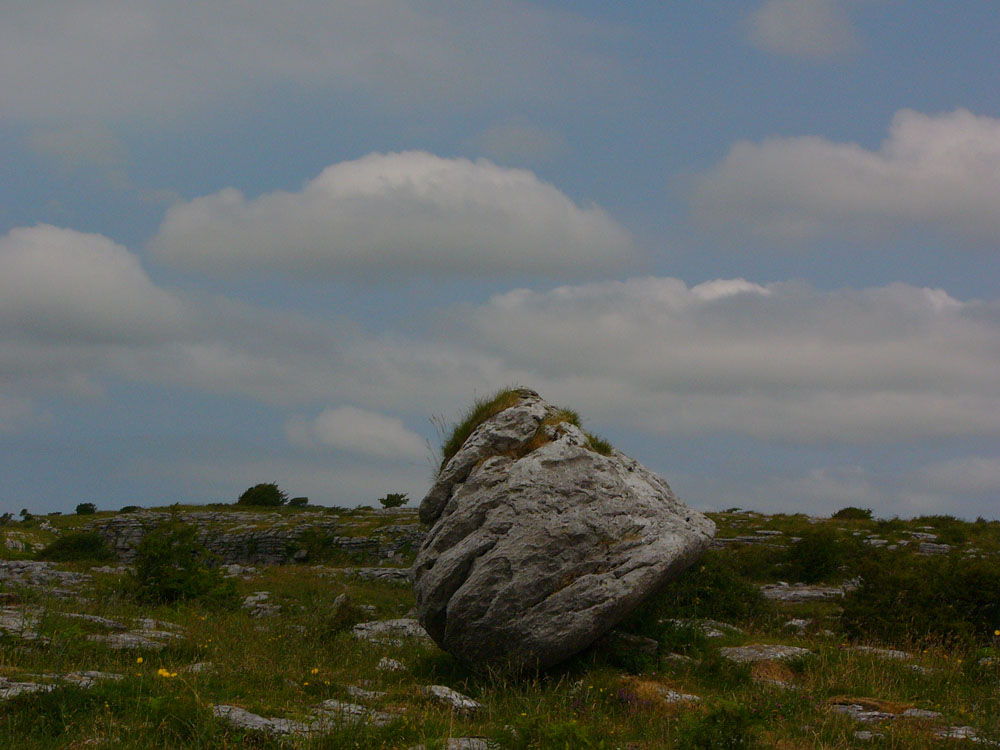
<point x="266" y="494"/>
<point x="86" y="509"/>
<point x="394" y="500"/>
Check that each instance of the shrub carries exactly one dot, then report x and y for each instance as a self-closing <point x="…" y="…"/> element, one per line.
<point x="725" y="727"/>
<point x="949" y="529"/>
<point x="394" y="500"/>
<point x="850" y="513"/>
<point x="481" y="410"/>
<point x="712" y="588"/>
<point x="129" y="509"/>
<point x="266" y="494"/>
<point x="86" y="509"/>
<point x="298" y="502"/>
<point x="79" y="545"/>
<point x="171" y="564"/>
<point x="902" y="597"/>
<point x="817" y="556"/>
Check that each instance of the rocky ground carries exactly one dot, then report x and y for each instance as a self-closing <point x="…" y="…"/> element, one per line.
<point x="323" y="651"/>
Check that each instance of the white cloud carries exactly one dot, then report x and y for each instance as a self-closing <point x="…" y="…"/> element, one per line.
<point x="59" y="284"/>
<point x="817" y="29"/>
<point x="931" y="170"/>
<point x="355" y="430"/>
<point x="782" y="361"/>
<point x="154" y="59"/>
<point x="517" y="141"/>
<point x="393" y="214"/>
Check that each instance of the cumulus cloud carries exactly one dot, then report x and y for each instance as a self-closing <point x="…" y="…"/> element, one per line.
<point x="154" y="58"/>
<point x="392" y="214"/>
<point x="354" y="430"/>
<point x="780" y="361"/>
<point x="817" y="29"/>
<point x="938" y="170"/>
<point x="59" y="284"/>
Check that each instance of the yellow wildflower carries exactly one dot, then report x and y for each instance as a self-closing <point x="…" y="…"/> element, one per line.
<point x="139" y="660"/>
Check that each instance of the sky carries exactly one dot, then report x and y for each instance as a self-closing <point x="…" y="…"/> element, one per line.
<point x="756" y="245"/>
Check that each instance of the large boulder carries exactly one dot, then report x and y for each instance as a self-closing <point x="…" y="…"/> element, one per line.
<point x="539" y="543"/>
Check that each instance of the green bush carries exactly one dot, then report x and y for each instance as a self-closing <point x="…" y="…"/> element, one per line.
<point x="78" y="545"/>
<point x="266" y="494"/>
<point x="712" y="588"/>
<point x="129" y="509"/>
<point x="725" y="727"/>
<point x="86" y="509"/>
<point x="850" y="513"/>
<point x="816" y="556"/>
<point x="394" y="500"/>
<point x="949" y="529"/>
<point x="903" y="598"/>
<point x="171" y="564"/>
<point x="298" y="502"/>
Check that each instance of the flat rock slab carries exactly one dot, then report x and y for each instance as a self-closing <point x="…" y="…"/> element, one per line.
<point x="762" y="652"/>
<point x="455" y="700"/>
<point x="800" y="592"/>
<point x="539" y="544"/>
<point x="389" y="631"/>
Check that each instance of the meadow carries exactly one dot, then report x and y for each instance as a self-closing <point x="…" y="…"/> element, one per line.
<point x="890" y="629"/>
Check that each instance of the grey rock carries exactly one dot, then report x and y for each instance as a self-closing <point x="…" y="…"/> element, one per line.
<point x="389" y="631"/>
<point x="882" y="653"/>
<point x="385" y="664"/>
<point x="350" y="713"/>
<point x="862" y="714"/>
<point x="102" y="621"/>
<point x="10" y="689"/>
<point x="931" y="548"/>
<point x="708" y="628"/>
<point x="920" y="713"/>
<point x="463" y="743"/>
<point x="90" y="677"/>
<point x="360" y="694"/>
<point x="532" y="556"/>
<point x="459" y="703"/>
<point x="800" y="592"/>
<point x="762" y="652"/>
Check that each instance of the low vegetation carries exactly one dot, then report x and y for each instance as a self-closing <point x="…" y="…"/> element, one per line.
<point x="938" y="606"/>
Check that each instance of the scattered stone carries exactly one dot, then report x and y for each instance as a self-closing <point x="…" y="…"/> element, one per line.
<point x="258" y="605"/>
<point x="146" y="639"/>
<point x="866" y="736"/>
<point x="389" y="631"/>
<point x="343" y="712"/>
<point x="672" y="696"/>
<point x="762" y="652"/>
<point x="873" y="542"/>
<point x="459" y="703"/>
<point x="861" y="714"/>
<point x="148" y="623"/>
<point x="931" y="548"/>
<point x="800" y="592"/>
<point x="198" y="667"/>
<point x="708" y="628"/>
<point x="882" y="653"/>
<point x="9" y="689"/>
<point x="920" y="713"/>
<point x="539" y="544"/>
<point x="102" y="621"/>
<point x="21" y="622"/>
<point x="768" y="532"/>
<point x="89" y="678"/>
<point x="245" y="720"/>
<point x="963" y="733"/>
<point x="361" y="694"/>
<point x="463" y="743"/>
<point x="922" y="536"/>
<point x="393" y="575"/>
<point x="235" y="570"/>
<point x="386" y="664"/>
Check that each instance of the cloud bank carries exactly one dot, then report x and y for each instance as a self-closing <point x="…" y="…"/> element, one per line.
<point x="938" y="170"/>
<point x="155" y="59"/>
<point x="815" y="29"/>
<point x="360" y="431"/>
<point x="392" y="215"/>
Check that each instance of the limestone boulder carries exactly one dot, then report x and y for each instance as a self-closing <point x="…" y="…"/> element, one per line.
<point x="539" y="544"/>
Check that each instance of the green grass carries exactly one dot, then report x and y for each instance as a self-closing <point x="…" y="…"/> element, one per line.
<point x="282" y="666"/>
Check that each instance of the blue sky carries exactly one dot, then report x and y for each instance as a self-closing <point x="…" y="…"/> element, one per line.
<point x="754" y="244"/>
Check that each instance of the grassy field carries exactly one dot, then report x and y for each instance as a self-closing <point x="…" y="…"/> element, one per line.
<point x="286" y="664"/>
